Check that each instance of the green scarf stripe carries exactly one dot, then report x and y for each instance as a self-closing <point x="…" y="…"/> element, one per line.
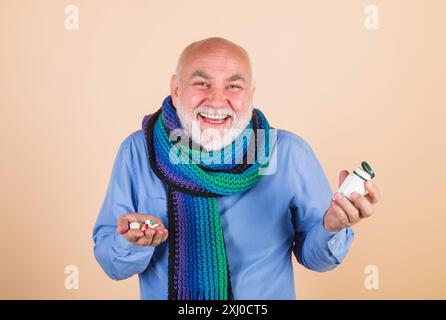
<point x="221" y="253"/>
<point x="217" y="181"/>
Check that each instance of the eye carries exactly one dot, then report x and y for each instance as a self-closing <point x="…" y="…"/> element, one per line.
<point x="234" y="86"/>
<point x="202" y="84"/>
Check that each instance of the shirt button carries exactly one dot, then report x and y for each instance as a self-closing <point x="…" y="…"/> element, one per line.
<point x="332" y="241"/>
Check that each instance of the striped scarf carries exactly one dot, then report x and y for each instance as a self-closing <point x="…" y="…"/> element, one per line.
<point x="197" y="263"/>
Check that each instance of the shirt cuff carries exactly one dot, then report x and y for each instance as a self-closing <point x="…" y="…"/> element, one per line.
<point x="338" y="242"/>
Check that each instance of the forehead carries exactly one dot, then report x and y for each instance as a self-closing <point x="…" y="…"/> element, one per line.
<point x="217" y="62"/>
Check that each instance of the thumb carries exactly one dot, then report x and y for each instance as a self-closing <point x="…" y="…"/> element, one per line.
<point x="342" y="175"/>
<point x="123" y="224"/>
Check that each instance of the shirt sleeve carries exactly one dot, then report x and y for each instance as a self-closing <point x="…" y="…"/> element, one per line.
<point x="118" y="257"/>
<point x="314" y="247"/>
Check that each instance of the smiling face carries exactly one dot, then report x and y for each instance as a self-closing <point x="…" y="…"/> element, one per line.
<point x="212" y="92"/>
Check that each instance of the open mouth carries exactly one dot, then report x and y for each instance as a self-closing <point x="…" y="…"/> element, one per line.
<point x="214" y="119"/>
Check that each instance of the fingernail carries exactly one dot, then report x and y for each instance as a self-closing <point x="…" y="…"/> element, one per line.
<point x="354" y="195"/>
<point x="338" y="196"/>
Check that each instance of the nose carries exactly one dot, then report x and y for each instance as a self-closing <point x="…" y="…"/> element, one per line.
<point x="217" y="98"/>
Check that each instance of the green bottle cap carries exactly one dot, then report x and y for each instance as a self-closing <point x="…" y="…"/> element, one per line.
<point x="368" y="169"/>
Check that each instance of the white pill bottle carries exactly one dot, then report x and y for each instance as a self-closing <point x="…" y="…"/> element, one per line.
<point x="355" y="180"/>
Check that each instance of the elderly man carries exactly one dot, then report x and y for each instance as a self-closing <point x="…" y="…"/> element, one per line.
<point x="220" y="229"/>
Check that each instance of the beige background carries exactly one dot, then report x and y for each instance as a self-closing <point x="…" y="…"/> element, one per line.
<point x="68" y="99"/>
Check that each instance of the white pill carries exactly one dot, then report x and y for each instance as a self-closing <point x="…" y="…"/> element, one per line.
<point x="151" y="224"/>
<point x="134" y="225"/>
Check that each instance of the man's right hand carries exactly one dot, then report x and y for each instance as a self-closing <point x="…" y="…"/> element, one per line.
<point x="149" y="237"/>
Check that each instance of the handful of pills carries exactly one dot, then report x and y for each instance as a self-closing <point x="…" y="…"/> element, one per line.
<point x="148" y="224"/>
<point x="355" y="180"/>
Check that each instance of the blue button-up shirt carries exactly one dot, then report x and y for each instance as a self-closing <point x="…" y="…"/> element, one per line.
<point x="282" y="214"/>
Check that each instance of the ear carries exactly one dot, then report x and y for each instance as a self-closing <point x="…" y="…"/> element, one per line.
<point x="174" y="89"/>
<point x="253" y="89"/>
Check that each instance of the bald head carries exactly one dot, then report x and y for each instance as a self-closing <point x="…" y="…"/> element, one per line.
<point x="213" y="46"/>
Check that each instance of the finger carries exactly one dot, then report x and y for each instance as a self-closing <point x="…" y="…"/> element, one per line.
<point x="146" y="240"/>
<point x="157" y="238"/>
<point x="351" y="211"/>
<point x="134" y="235"/>
<point x="341" y="216"/>
<point x="148" y="236"/>
<point x="165" y="235"/>
<point x="362" y="204"/>
<point x="373" y="194"/>
<point x="125" y="220"/>
<point x="342" y="175"/>
<point x="123" y="224"/>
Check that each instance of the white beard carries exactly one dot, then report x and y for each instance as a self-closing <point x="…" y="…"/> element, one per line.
<point x="212" y="139"/>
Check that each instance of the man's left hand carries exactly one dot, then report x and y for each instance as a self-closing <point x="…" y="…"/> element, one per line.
<point x="346" y="213"/>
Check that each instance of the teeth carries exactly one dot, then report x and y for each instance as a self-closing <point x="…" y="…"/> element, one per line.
<point x="215" y="121"/>
<point x="214" y="116"/>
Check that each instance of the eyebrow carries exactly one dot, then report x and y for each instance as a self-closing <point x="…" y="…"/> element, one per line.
<point x="236" y="77"/>
<point x="199" y="73"/>
<point x="202" y="74"/>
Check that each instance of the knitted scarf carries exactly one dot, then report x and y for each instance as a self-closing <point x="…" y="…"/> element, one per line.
<point x="197" y="262"/>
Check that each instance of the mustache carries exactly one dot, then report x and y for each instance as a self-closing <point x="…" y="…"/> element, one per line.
<point x="214" y="112"/>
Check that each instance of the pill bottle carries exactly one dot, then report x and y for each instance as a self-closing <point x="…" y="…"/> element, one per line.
<point x="355" y="180"/>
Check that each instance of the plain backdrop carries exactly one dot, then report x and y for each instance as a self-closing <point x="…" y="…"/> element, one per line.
<point x="68" y="98"/>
